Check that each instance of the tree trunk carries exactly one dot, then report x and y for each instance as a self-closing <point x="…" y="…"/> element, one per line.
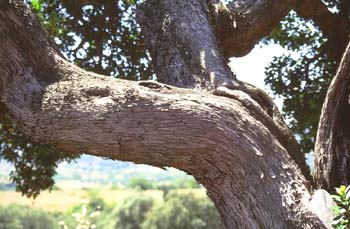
<point x="332" y="149"/>
<point x="232" y="144"/>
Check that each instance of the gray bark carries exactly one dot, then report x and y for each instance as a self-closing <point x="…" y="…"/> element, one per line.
<point x="321" y="204"/>
<point x="186" y="53"/>
<point x="182" y="43"/>
<point x="232" y="145"/>
<point x="241" y="24"/>
<point x="332" y="149"/>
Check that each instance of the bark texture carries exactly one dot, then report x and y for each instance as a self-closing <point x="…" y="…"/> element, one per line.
<point x="182" y="43"/>
<point x="231" y="144"/>
<point x="242" y="23"/>
<point x="180" y="36"/>
<point x="332" y="149"/>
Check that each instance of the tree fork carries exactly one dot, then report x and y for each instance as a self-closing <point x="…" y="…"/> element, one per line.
<point x="231" y="149"/>
<point x="184" y="46"/>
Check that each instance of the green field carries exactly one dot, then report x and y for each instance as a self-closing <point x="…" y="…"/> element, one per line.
<point x="109" y="209"/>
<point x="130" y="196"/>
<point x="63" y="200"/>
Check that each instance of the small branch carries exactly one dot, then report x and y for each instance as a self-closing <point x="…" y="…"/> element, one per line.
<point x="335" y="27"/>
<point x="327" y="21"/>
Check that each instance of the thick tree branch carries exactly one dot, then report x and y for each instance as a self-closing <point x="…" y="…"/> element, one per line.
<point x="320" y="14"/>
<point x="228" y="144"/>
<point x="241" y="24"/>
<point x="183" y="47"/>
<point x="332" y="149"/>
<point x="182" y="44"/>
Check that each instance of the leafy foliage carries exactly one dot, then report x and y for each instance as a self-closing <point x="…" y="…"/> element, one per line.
<point x="136" y="210"/>
<point x="183" y="211"/>
<point x="34" y="163"/>
<point x="302" y="76"/>
<point x="342" y="210"/>
<point x="101" y="36"/>
<point x="19" y="217"/>
<point x="139" y="183"/>
<point x="87" y="217"/>
<point x="132" y="212"/>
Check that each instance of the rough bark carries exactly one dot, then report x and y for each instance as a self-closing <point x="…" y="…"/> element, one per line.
<point x="332" y="149"/>
<point x="180" y="36"/>
<point x="182" y="43"/>
<point x="234" y="147"/>
<point x="242" y="23"/>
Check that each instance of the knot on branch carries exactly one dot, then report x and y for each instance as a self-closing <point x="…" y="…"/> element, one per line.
<point x="130" y="94"/>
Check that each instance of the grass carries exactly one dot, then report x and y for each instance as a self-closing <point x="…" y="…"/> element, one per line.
<point x="61" y="200"/>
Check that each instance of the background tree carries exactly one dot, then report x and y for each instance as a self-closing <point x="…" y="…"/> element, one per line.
<point x="19" y="217"/>
<point x="132" y="212"/>
<point x="183" y="211"/>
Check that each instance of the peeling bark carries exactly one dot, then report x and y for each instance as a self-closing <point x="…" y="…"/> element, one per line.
<point x="232" y="145"/>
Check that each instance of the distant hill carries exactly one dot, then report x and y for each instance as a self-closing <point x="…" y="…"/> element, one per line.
<point x="90" y="171"/>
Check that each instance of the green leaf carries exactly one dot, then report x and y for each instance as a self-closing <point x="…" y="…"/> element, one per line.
<point x="130" y="2"/>
<point x="341" y="190"/>
<point x="37" y="5"/>
<point x="336" y="198"/>
<point x="347" y="189"/>
<point x="337" y="220"/>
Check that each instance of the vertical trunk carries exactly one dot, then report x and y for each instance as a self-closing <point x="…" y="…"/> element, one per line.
<point x="332" y="155"/>
<point x="183" y="46"/>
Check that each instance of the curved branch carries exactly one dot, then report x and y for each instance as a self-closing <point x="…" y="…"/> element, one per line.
<point x="332" y="149"/>
<point x="241" y="24"/>
<point x="210" y="137"/>
<point x="320" y="14"/>
<point x="224" y="145"/>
